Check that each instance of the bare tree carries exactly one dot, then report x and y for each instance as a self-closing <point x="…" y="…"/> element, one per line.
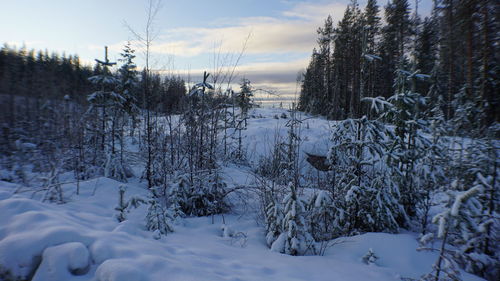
<point x="145" y="38"/>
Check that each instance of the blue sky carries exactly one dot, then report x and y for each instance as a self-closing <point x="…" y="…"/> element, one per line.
<point x="193" y="35"/>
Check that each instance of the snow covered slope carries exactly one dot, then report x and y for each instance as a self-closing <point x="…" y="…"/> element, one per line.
<point x="82" y="240"/>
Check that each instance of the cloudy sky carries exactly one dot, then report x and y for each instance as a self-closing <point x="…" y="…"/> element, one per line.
<point x="191" y="35"/>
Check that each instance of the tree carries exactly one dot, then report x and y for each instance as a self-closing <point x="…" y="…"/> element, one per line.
<point x="367" y="197"/>
<point x="146" y="39"/>
<point x="274" y="221"/>
<point x="295" y="239"/>
<point x="393" y="46"/>
<point x="158" y="219"/>
<point x="104" y="98"/>
<point x="371" y="33"/>
<point x="243" y="98"/>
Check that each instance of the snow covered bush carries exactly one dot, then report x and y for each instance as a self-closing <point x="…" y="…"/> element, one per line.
<point x="370" y="257"/>
<point x="198" y="195"/>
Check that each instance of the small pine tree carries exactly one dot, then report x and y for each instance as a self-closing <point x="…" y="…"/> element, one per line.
<point x="244" y="99"/>
<point x="456" y="225"/>
<point x="369" y="257"/>
<point x="323" y="221"/>
<point x="274" y="218"/>
<point x="368" y="199"/>
<point x="158" y="219"/>
<point x="176" y="199"/>
<point x="296" y="238"/>
<point x="122" y="205"/>
<point x="408" y="143"/>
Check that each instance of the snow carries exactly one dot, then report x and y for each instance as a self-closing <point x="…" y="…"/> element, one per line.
<point x="462" y="197"/>
<point x="82" y="239"/>
<point x="63" y="261"/>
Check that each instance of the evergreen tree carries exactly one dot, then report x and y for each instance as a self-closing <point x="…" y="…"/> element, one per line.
<point x="295" y="239"/>
<point x="368" y="199"/>
<point x="128" y="76"/>
<point x="274" y="222"/>
<point x="243" y="99"/>
<point x="369" y="59"/>
<point x="323" y="218"/>
<point x="408" y="152"/>
<point x="158" y="219"/>
<point x="393" y="46"/>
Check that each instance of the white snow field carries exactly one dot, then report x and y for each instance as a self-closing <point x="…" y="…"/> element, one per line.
<point x="82" y="240"/>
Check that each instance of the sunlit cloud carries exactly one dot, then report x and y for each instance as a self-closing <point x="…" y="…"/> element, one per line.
<point x="286" y="37"/>
<point x="293" y="31"/>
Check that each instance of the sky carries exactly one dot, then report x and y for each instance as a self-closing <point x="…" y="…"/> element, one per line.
<point x="275" y="37"/>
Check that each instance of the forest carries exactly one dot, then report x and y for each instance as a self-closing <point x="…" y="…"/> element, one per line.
<point x="394" y="136"/>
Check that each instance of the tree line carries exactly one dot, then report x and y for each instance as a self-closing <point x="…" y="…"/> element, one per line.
<point x="42" y="75"/>
<point x="454" y="47"/>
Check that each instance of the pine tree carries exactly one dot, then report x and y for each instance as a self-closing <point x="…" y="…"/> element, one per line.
<point x="243" y="99"/>
<point x="368" y="198"/>
<point x="323" y="218"/>
<point x="325" y="35"/>
<point x="104" y="99"/>
<point x="395" y="36"/>
<point x="295" y="239"/>
<point x="273" y="221"/>
<point x="369" y="59"/>
<point x="455" y="222"/>
<point x="408" y="146"/>
<point x="128" y="76"/>
<point x="158" y="219"/>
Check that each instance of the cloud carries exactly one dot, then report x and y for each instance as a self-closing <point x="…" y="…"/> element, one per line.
<point x="277" y="77"/>
<point x="290" y="35"/>
<point x="293" y="31"/>
<point x="313" y="12"/>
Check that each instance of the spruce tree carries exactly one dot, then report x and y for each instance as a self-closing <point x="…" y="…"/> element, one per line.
<point x="295" y="239"/>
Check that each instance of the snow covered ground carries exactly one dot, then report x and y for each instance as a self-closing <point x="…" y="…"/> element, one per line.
<point x="82" y="240"/>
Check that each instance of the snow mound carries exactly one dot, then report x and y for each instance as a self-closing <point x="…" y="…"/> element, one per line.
<point x="120" y="270"/>
<point x="63" y="261"/>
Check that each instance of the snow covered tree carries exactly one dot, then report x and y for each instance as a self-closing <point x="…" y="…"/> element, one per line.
<point x="368" y="199"/>
<point x="370" y="257"/>
<point x="177" y="197"/>
<point x="466" y="228"/>
<point x="128" y="80"/>
<point x="244" y="98"/>
<point x="274" y="221"/>
<point x="124" y="206"/>
<point x="455" y="221"/>
<point x="292" y="147"/>
<point x="477" y="228"/>
<point x="324" y="217"/>
<point x="408" y="145"/>
<point x="295" y="239"/>
<point x="104" y="97"/>
<point x="158" y="219"/>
